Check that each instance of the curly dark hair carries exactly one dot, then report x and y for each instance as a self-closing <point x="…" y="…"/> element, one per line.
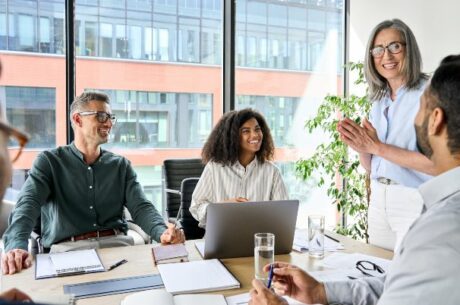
<point x="223" y="144"/>
<point x="445" y="87"/>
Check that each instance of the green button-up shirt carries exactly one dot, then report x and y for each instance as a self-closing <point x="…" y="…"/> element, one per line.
<point x="73" y="198"/>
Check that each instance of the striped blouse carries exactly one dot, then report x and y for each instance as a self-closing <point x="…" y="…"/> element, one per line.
<point x="218" y="183"/>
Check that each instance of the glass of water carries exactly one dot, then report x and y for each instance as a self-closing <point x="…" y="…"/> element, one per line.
<point x="316" y="236"/>
<point x="264" y="253"/>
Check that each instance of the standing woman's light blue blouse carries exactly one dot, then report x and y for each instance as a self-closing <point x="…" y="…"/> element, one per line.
<point x="394" y="122"/>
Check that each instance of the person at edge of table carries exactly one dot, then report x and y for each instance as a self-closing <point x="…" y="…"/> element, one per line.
<point x="425" y="269"/>
<point x="80" y="191"/>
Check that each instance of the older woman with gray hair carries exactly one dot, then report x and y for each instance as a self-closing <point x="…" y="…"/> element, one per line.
<point x="386" y="143"/>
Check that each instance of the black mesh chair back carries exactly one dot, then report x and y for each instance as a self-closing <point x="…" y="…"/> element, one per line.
<point x="184" y="217"/>
<point x="174" y="171"/>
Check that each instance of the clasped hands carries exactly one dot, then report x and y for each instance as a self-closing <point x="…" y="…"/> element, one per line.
<point x="291" y="281"/>
<point x="362" y="139"/>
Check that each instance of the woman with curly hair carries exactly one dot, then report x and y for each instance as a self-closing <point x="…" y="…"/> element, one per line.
<point x="238" y="156"/>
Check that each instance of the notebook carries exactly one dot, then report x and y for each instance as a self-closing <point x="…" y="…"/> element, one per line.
<point x="224" y="238"/>
<point x="169" y="254"/>
<point x="197" y="276"/>
<point x="67" y="263"/>
<point x="160" y="296"/>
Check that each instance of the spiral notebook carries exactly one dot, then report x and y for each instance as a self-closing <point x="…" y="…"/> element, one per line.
<point x="67" y="263"/>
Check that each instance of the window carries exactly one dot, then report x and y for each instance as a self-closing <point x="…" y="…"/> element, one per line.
<point x="160" y="61"/>
<point x="289" y="36"/>
<point x="31" y="109"/>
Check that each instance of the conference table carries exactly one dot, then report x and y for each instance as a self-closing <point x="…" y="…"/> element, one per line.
<point x="140" y="262"/>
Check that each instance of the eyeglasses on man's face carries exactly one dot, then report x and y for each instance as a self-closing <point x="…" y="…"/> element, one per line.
<point x="17" y="140"/>
<point x="369" y="268"/>
<point x="395" y="47"/>
<point x="101" y="116"/>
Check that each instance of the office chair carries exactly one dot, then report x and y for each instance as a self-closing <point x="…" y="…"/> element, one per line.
<point x="174" y="171"/>
<point x="188" y="223"/>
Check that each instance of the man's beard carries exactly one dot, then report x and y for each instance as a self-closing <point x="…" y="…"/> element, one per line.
<point x="423" y="144"/>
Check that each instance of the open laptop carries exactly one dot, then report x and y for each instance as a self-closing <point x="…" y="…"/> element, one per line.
<point x="230" y="227"/>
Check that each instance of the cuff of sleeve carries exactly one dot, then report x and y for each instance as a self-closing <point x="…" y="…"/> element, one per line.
<point x="157" y="231"/>
<point x="16" y="245"/>
<point x="338" y="292"/>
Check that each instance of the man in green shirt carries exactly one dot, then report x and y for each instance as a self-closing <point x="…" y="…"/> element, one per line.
<point x="80" y="190"/>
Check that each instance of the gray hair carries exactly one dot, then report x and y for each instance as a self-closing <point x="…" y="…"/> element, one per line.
<point x="412" y="67"/>
<point x="80" y="102"/>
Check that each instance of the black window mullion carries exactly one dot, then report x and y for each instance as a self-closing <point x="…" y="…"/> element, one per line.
<point x="229" y="24"/>
<point x="70" y="62"/>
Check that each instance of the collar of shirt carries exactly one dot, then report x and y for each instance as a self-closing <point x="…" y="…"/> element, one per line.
<point x="440" y="187"/>
<point x="241" y="169"/>
<point x="80" y="155"/>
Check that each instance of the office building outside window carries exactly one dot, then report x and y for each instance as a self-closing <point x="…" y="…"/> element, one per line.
<point x="161" y="63"/>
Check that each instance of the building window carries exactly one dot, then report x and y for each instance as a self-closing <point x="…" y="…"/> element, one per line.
<point x="32" y="110"/>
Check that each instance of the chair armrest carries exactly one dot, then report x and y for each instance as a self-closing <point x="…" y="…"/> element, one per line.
<point x="176" y="192"/>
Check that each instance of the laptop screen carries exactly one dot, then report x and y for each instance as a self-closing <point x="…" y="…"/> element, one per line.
<point x="230" y="227"/>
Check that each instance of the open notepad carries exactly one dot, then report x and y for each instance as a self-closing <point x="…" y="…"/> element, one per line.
<point x="160" y="296"/>
<point x="67" y="263"/>
<point x="197" y="276"/>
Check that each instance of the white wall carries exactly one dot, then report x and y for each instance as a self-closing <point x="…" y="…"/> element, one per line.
<point x="435" y="23"/>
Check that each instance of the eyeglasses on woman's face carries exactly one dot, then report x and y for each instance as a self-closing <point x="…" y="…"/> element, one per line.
<point x="101" y="116"/>
<point x="395" y="47"/>
<point x="17" y="140"/>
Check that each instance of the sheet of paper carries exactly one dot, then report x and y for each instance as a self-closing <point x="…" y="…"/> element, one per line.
<point x="155" y="296"/>
<point x="162" y="297"/>
<point x="197" y="276"/>
<point x="53" y="299"/>
<point x="199" y="299"/>
<point x="74" y="261"/>
<point x="336" y="275"/>
<point x="243" y="299"/>
<point x="348" y="261"/>
<point x="44" y="266"/>
<point x="200" y="247"/>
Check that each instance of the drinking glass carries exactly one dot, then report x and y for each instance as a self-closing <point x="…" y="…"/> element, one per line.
<point x="316" y="236"/>
<point x="264" y="253"/>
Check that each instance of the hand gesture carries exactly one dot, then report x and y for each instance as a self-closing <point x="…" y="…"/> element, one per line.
<point x="362" y="139"/>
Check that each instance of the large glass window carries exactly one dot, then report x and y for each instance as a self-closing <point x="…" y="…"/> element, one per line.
<point x="159" y="61"/>
<point x="291" y="46"/>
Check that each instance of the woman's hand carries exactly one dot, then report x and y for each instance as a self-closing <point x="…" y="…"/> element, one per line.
<point x="362" y="139"/>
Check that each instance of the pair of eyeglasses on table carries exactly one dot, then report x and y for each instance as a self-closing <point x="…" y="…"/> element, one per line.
<point x="17" y="140"/>
<point x="369" y="269"/>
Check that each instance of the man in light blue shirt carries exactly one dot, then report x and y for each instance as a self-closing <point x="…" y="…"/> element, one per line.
<point x="426" y="268"/>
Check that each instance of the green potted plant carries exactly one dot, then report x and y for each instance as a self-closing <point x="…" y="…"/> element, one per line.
<point x="349" y="186"/>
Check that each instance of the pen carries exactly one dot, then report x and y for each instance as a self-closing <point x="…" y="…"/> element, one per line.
<point x="336" y="240"/>
<point x="117" y="264"/>
<point x="270" y="276"/>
